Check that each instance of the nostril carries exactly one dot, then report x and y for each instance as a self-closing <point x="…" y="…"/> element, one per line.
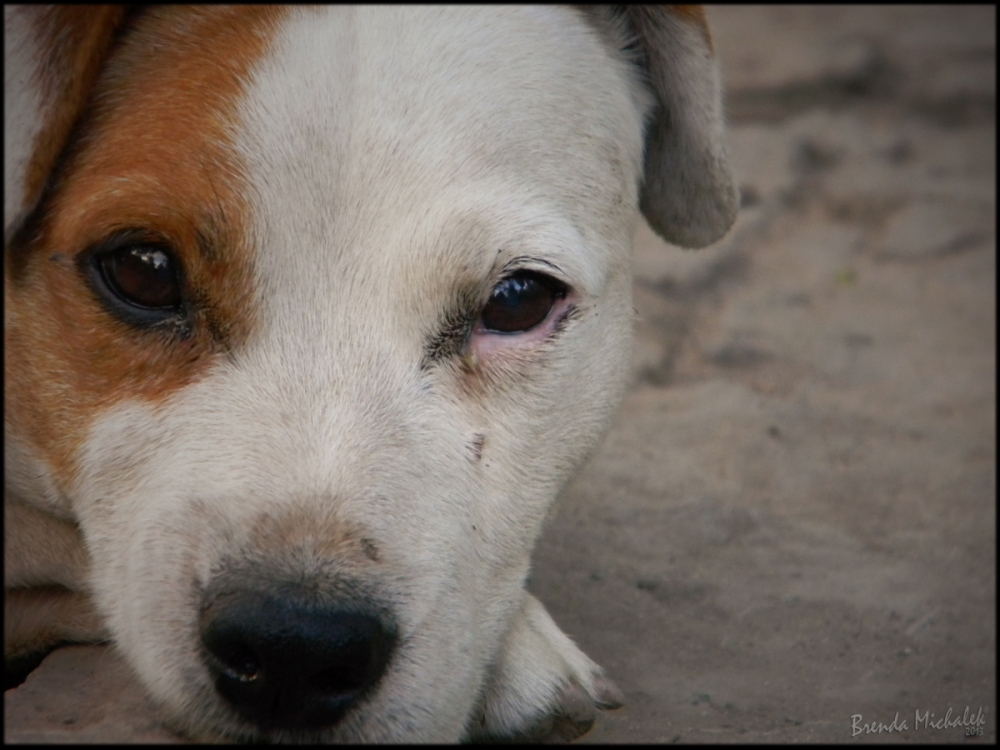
<point x="238" y="661"/>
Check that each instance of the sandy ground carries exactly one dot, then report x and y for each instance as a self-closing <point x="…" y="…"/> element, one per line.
<point x="790" y="533"/>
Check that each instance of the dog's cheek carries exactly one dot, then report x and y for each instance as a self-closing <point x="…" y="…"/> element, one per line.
<point x="137" y="518"/>
<point x="541" y="410"/>
<point x="69" y="363"/>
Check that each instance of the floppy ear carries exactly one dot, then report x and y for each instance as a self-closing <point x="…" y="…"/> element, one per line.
<point x="688" y="195"/>
<point x="52" y="55"/>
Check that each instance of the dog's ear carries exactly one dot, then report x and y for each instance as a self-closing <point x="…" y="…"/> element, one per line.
<point x="688" y="194"/>
<point x="52" y="56"/>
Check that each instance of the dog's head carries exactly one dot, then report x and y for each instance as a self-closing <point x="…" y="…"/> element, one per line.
<point x="310" y="315"/>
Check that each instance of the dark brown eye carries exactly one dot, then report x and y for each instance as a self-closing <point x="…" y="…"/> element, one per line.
<point x="142" y="276"/>
<point x="520" y="302"/>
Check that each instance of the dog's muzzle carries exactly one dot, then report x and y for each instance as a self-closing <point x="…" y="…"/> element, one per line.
<point x="289" y="659"/>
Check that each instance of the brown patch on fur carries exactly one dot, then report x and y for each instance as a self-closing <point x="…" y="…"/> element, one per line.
<point x="328" y="538"/>
<point x="74" y="40"/>
<point x="41" y="550"/>
<point x="40" y="619"/>
<point x="152" y="153"/>
<point x="614" y="35"/>
<point x="694" y="15"/>
<point x="370" y="550"/>
<point x="477" y="445"/>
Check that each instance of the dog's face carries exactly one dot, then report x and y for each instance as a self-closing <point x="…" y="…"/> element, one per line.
<point x="316" y="315"/>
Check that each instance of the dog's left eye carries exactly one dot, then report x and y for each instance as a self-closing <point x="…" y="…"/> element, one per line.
<point x="520" y="302"/>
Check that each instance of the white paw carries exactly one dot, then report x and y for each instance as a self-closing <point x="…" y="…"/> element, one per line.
<point x="542" y="688"/>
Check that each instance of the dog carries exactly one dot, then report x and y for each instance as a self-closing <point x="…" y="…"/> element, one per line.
<point x="310" y="315"/>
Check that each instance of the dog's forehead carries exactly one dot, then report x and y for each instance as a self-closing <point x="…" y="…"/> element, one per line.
<point x="366" y="92"/>
<point x="401" y="141"/>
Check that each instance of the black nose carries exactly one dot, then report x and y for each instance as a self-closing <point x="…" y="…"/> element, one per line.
<point x="284" y="663"/>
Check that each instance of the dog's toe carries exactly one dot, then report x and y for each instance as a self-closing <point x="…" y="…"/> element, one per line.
<point x="606" y="694"/>
<point x="543" y="688"/>
<point x="573" y="714"/>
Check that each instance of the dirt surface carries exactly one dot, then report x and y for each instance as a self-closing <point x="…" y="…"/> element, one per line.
<point x="790" y="533"/>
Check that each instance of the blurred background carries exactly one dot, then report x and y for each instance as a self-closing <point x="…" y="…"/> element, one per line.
<point x="793" y="521"/>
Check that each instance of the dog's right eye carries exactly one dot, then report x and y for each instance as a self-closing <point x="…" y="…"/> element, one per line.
<point x="142" y="276"/>
<point x="140" y="281"/>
